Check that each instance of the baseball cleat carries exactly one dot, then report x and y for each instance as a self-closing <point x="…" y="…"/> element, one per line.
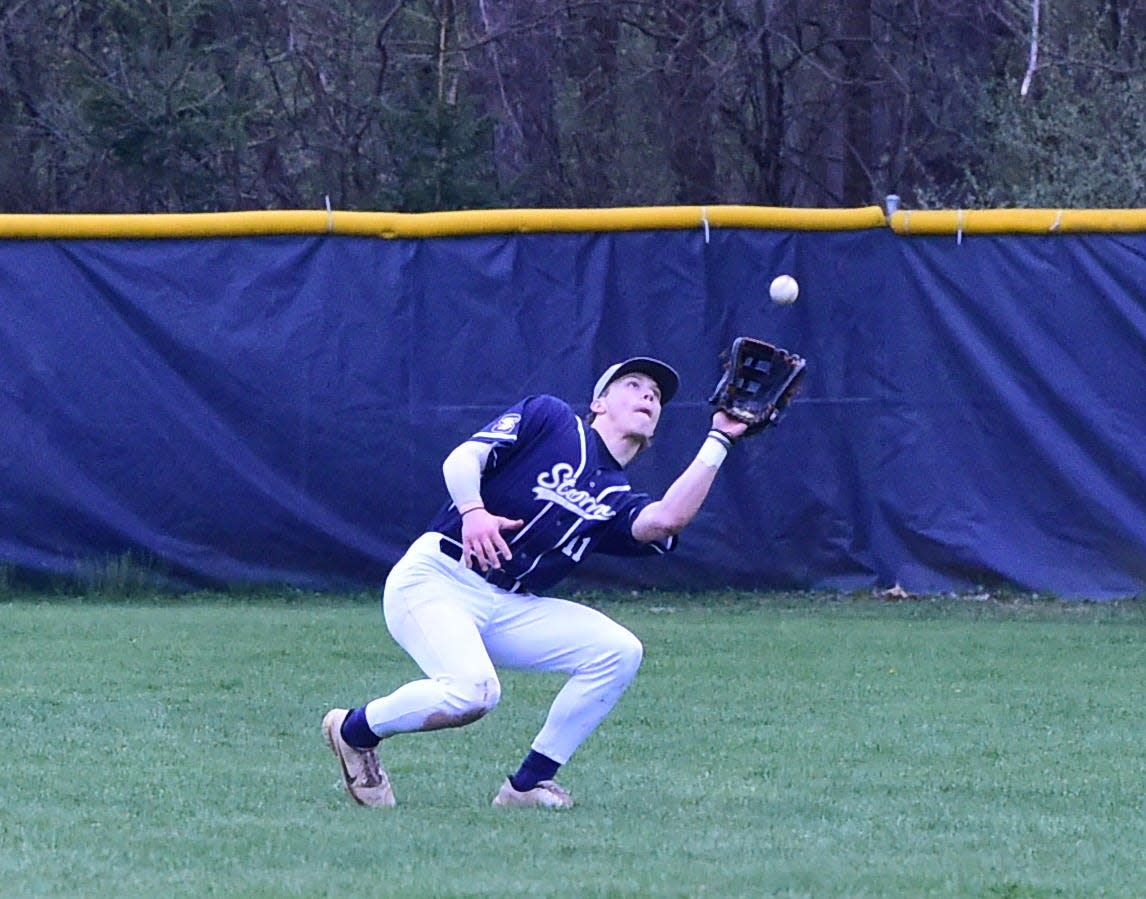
<point x="362" y="776"/>
<point x="546" y="794"/>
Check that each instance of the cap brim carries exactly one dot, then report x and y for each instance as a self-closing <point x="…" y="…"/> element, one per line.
<point x="665" y="375"/>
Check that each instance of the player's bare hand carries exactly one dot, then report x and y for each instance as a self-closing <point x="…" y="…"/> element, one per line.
<point x="482" y="539"/>
<point x="733" y="427"/>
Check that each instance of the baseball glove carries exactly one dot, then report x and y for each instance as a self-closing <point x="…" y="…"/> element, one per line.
<point x="758" y="383"/>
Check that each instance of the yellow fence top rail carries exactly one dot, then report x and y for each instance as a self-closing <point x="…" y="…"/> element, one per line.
<point x="432" y="224"/>
<point x="1018" y="221"/>
<point x="538" y="221"/>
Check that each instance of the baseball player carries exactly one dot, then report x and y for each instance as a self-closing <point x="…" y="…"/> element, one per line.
<point x="532" y="494"/>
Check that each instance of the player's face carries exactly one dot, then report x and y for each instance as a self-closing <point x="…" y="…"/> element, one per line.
<point x="633" y="402"/>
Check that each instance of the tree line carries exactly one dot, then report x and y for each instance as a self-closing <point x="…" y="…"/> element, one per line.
<point x="418" y="105"/>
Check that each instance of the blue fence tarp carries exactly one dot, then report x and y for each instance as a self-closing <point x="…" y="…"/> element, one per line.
<point x="274" y="410"/>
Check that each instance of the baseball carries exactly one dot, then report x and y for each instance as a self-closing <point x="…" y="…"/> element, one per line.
<point x="784" y="290"/>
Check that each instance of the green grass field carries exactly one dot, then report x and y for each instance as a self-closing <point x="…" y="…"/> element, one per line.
<point x="771" y="746"/>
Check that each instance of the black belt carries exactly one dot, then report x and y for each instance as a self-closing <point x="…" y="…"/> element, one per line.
<point x="494" y="576"/>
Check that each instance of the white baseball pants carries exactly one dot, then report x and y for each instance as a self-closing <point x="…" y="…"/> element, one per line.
<point x="458" y="629"/>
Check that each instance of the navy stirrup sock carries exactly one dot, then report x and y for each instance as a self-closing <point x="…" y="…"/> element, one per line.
<point x="533" y="770"/>
<point x="357" y="732"/>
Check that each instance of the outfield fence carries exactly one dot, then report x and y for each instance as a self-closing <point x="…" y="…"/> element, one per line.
<point x="265" y="397"/>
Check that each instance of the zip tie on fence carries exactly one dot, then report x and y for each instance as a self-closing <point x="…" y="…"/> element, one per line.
<point x="329" y="216"/>
<point x="959" y="228"/>
<point x="1057" y="223"/>
<point x="704" y="221"/>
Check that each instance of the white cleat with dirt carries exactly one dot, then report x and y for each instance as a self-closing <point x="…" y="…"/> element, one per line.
<point x="363" y="777"/>
<point x="546" y="794"/>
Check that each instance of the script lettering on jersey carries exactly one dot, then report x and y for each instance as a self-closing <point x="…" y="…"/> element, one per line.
<point x="560" y="487"/>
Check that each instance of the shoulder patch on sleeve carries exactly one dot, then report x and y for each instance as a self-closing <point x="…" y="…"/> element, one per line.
<point x="507" y="424"/>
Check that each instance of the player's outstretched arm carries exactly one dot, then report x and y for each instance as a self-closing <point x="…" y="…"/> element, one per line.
<point x="670" y="514"/>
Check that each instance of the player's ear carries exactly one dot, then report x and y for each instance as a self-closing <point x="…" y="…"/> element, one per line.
<point x="597" y="406"/>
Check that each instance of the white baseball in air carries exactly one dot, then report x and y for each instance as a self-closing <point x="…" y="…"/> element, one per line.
<point x="784" y="290"/>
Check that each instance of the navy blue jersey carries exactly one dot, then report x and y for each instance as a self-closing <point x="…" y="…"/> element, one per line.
<point x="551" y="470"/>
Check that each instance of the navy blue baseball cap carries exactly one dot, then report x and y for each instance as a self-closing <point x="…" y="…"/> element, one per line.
<point x="665" y="375"/>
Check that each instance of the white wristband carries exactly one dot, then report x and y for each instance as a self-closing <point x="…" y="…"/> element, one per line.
<point x="712" y="451"/>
